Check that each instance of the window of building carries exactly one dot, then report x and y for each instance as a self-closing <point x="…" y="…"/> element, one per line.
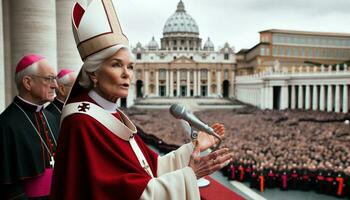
<point x="310" y="53"/>
<point x="275" y="51"/>
<point x="191" y="57"/>
<point x="302" y="51"/>
<point x="295" y="53"/>
<point x="139" y="74"/>
<point x="204" y="74"/>
<point x="138" y="56"/>
<point x="226" y="56"/>
<point x="174" y="42"/>
<point x="267" y="51"/>
<point x="183" y="75"/>
<point x="262" y="51"/>
<point x="162" y="74"/>
<point x="281" y="51"/>
<point x="317" y="52"/>
<point x="288" y="51"/>
<point x="226" y="74"/>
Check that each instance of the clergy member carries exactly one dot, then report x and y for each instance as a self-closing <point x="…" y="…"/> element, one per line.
<point x="65" y="81"/>
<point x="99" y="154"/>
<point x="28" y="132"/>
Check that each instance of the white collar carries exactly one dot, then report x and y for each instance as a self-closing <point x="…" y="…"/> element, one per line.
<point x="38" y="107"/>
<point x="105" y="104"/>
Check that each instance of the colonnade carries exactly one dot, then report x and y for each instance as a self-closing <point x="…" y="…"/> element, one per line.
<point x="194" y="83"/>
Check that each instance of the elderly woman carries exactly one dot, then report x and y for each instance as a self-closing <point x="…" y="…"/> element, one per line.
<point x="99" y="154"/>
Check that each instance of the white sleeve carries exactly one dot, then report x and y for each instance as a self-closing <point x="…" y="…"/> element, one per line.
<point x="175" y="160"/>
<point x="179" y="184"/>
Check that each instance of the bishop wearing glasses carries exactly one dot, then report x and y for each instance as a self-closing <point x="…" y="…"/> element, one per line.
<point x="28" y="133"/>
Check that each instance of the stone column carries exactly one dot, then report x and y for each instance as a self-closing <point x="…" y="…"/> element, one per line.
<point x="284" y="97"/>
<point x="171" y="92"/>
<point x="199" y="83"/>
<point x="67" y="53"/>
<point x="322" y="98"/>
<point x="262" y="98"/>
<point x="345" y="99"/>
<point x="293" y="97"/>
<point x="269" y="97"/>
<point x="209" y="83"/>
<point x="337" y="98"/>
<point x="300" y="97"/>
<point x="146" y="83"/>
<point x="330" y="98"/>
<point x="178" y="82"/>
<point x="314" y="98"/>
<point x="167" y="83"/>
<point x="232" y="89"/>
<point x="195" y="82"/>
<point x="218" y="83"/>
<point x="32" y="30"/>
<point x="307" y="98"/>
<point x="2" y="63"/>
<point x="188" y="83"/>
<point x="157" y="83"/>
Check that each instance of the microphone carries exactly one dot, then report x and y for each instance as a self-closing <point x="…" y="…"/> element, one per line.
<point x="179" y="112"/>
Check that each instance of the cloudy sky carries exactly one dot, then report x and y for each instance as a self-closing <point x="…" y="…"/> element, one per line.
<point x="235" y="21"/>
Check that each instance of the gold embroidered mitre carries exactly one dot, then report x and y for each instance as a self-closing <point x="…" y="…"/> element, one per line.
<point x="96" y="28"/>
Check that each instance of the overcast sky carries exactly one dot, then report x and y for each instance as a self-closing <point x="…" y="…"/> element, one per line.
<point x="233" y="21"/>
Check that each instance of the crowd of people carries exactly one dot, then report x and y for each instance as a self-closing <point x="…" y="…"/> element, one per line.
<point x="286" y="149"/>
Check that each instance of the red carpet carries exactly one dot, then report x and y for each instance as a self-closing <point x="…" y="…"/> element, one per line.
<point x="217" y="191"/>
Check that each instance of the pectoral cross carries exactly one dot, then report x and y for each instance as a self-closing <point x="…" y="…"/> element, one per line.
<point x="146" y="167"/>
<point x="52" y="161"/>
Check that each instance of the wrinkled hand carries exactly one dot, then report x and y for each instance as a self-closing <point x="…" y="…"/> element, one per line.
<point x="205" y="165"/>
<point x="206" y="141"/>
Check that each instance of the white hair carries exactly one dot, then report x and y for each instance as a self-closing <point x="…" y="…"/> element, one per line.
<point x="64" y="80"/>
<point x="93" y="63"/>
<point x="30" y="70"/>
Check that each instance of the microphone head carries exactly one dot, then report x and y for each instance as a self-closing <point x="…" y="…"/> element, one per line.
<point x="177" y="111"/>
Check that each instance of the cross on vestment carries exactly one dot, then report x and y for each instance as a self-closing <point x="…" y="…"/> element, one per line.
<point x="146" y="167"/>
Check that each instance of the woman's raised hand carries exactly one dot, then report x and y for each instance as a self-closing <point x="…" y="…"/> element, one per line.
<point x="205" y="165"/>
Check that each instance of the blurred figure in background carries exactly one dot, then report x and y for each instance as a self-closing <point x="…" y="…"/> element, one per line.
<point x="65" y="81"/>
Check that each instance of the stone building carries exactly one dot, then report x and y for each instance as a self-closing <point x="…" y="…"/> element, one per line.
<point x="181" y="66"/>
<point x="290" y="48"/>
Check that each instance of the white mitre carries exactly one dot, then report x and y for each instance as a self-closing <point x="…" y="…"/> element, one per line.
<point x="96" y="28"/>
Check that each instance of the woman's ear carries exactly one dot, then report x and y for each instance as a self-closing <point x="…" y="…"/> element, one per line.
<point x="93" y="77"/>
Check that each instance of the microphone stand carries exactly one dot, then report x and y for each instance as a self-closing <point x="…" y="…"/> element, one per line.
<point x="202" y="182"/>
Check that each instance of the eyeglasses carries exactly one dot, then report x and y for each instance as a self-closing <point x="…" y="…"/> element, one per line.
<point x="51" y="79"/>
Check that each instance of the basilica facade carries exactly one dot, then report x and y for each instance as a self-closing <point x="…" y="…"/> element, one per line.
<point x="181" y="66"/>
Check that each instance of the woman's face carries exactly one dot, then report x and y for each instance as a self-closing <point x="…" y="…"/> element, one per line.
<point x="114" y="76"/>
